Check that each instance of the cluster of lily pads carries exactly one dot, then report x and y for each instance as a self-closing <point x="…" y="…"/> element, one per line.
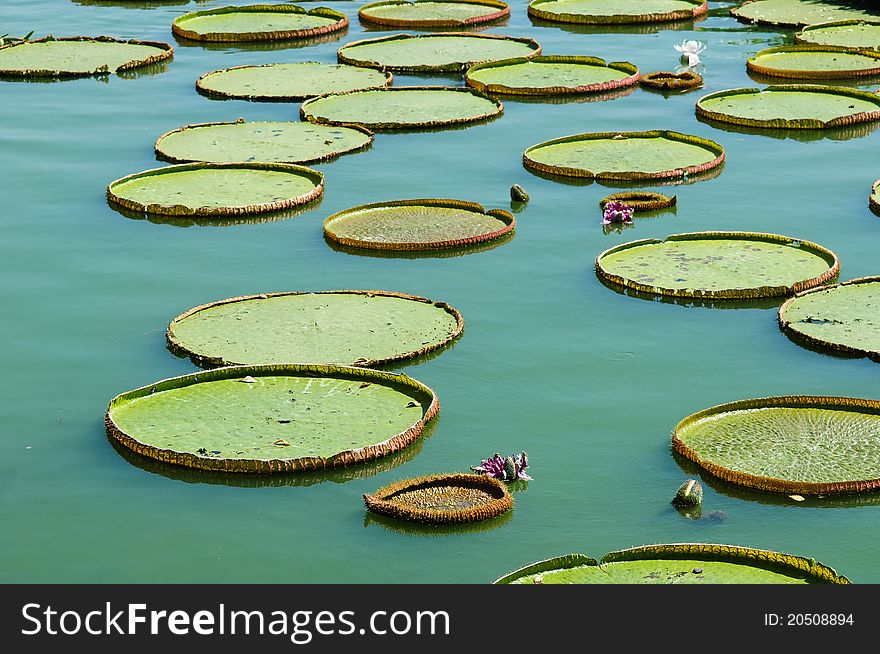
<point x="290" y="353"/>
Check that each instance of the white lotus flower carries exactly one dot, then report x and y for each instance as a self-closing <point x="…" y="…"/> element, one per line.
<point x="690" y="50"/>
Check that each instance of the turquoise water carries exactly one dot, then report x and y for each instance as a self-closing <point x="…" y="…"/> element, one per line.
<point x="588" y="381"/>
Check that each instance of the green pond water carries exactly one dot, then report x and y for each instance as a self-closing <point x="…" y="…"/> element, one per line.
<point x="589" y="381"/>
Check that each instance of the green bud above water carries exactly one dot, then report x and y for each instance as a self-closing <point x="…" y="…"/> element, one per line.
<point x="690" y="493"/>
<point x="518" y="193"/>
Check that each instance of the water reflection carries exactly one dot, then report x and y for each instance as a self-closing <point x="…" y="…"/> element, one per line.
<point x="104" y="78"/>
<point x="218" y="221"/>
<point x="858" y="130"/>
<point x="261" y="46"/>
<point x="419" y="530"/>
<point x="850" y="82"/>
<point x="566" y="98"/>
<point x="131" y="4"/>
<point x="586" y="181"/>
<point x="755" y="303"/>
<point x="447" y="253"/>
<point x="624" y="28"/>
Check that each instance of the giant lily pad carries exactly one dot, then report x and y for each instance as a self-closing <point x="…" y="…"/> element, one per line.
<point x="678" y="563"/>
<point x="625" y="155"/>
<point x="288" y="82"/>
<point x="258" y="23"/>
<point x="797" y="13"/>
<point x="800" y="444"/>
<point x="814" y="62"/>
<point x="434" y="53"/>
<point x="79" y="56"/>
<point x="433" y="13"/>
<point x="723" y="265"/>
<point x="282" y="142"/>
<point x="551" y="75"/>
<point x="599" y="12"/>
<point x="402" y="107"/>
<point x="361" y="328"/>
<point x="426" y="224"/>
<point x="791" y="106"/>
<point x="280" y="418"/>
<point x="202" y="189"/>
<point x="442" y="499"/>
<point x="858" y="34"/>
<point x="844" y="318"/>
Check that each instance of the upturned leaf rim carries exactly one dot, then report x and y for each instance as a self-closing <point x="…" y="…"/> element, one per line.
<point x="271" y="35"/>
<point x="498" y="11"/>
<point x="701" y="7"/>
<point x="770" y="71"/>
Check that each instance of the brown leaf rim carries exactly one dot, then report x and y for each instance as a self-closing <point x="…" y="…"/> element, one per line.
<point x="700" y="7"/>
<point x="755" y="67"/>
<point x="496" y="11"/>
<point x="278" y="35"/>
<point x="631" y="71"/>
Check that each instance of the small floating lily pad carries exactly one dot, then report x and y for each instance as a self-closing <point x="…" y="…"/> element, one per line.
<point x="669" y="81"/>
<point x="402" y="107"/>
<point x="79" y="56"/>
<point x="426" y="224"/>
<point x="551" y="75"/>
<point x="600" y="12"/>
<point x="281" y="142"/>
<point x="802" y="444"/>
<point x="433" y="13"/>
<point x="625" y="155"/>
<point x="723" y="265"/>
<point x="797" y="13"/>
<point x="844" y="318"/>
<point x="678" y="563"/>
<point x="434" y="53"/>
<point x="858" y="34"/>
<point x="791" y="106"/>
<point x="202" y="189"/>
<point x="288" y="82"/>
<point x="258" y="23"/>
<point x="278" y="418"/>
<point x="640" y="200"/>
<point x="814" y="62"/>
<point x="442" y="499"/>
<point x="361" y="328"/>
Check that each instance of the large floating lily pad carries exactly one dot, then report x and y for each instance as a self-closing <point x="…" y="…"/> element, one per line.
<point x="433" y="13"/>
<point x="798" y="13"/>
<point x="815" y="62"/>
<point x="288" y="82"/>
<point x="551" y="75"/>
<point x="724" y="265"/>
<point x="625" y="155"/>
<point x="403" y="107"/>
<point x="258" y="23"/>
<point x="844" y="318"/>
<point x="426" y="224"/>
<point x="442" y="499"/>
<point x="791" y="106"/>
<point x="361" y="328"/>
<point x="282" y="142"/>
<point x="858" y="34"/>
<point x="434" y="53"/>
<point x="280" y="418"/>
<point x="801" y="444"/>
<point x="599" y="12"/>
<point x="79" y="56"/>
<point x="202" y="189"/>
<point x="678" y="563"/>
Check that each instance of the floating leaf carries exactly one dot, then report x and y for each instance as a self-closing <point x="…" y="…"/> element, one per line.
<point x="433" y="13"/>
<point x="79" y="56"/>
<point x="798" y="13"/>
<point x="551" y="75"/>
<point x="602" y="12"/>
<point x="258" y="23"/>
<point x="814" y="62"/>
<point x="859" y="34"/>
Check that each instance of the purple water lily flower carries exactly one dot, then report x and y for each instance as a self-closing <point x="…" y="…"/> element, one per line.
<point x="617" y="212"/>
<point x="510" y="468"/>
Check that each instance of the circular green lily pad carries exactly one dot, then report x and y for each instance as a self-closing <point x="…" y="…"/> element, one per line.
<point x="844" y="318"/>
<point x="814" y="62"/>
<point x="434" y="53"/>
<point x="791" y="106"/>
<point x="280" y="142"/>
<point x="797" y="13"/>
<point x="551" y="75"/>
<point x="79" y="56"/>
<point x="258" y="23"/>
<point x="858" y="34"/>
<point x="724" y="265"/>
<point x="442" y="499"/>
<point x="433" y="13"/>
<point x="599" y="12"/>
<point x="426" y="224"/>
<point x="800" y="444"/>
<point x="678" y="563"/>
<point x="202" y="189"/>
<point x="279" y="418"/>
<point x="625" y="155"/>
<point x="359" y="328"/>
<point x="402" y="107"/>
<point x="640" y="200"/>
<point x="288" y="82"/>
